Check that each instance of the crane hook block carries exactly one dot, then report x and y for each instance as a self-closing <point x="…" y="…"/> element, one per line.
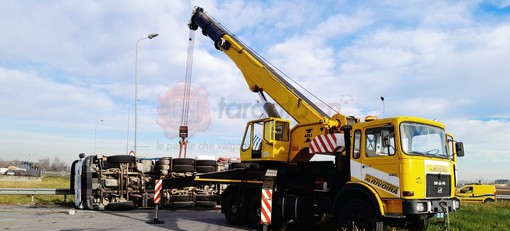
<point x="183" y="132"/>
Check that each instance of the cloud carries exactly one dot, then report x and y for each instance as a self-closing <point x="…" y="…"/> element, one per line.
<point x="64" y="66"/>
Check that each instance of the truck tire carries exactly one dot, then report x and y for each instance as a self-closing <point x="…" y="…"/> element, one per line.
<point x="183" y="168"/>
<point x="205" y="169"/>
<point x="239" y="165"/>
<point x="183" y="161"/>
<point x="358" y="214"/>
<point x="234" y="208"/>
<point x="418" y="224"/>
<point x="253" y="211"/>
<point x="206" y="163"/>
<point x="121" y="159"/>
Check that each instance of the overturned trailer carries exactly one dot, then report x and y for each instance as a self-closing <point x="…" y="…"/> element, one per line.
<point x="124" y="181"/>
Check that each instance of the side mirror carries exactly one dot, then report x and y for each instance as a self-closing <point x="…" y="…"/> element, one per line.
<point x="386" y="138"/>
<point x="459" y="148"/>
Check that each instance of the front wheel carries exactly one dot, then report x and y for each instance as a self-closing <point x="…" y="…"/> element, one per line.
<point x="419" y="224"/>
<point x="359" y="215"/>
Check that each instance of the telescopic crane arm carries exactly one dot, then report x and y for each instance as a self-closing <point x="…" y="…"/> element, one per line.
<point x="259" y="75"/>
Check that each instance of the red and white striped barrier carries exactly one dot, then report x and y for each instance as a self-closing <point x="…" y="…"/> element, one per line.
<point x="266" y="206"/>
<point x="327" y="143"/>
<point x="157" y="191"/>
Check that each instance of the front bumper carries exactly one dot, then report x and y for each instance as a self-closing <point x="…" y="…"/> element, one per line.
<point x="430" y="206"/>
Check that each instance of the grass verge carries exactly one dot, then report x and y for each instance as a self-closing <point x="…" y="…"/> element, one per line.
<point x="47" y="182"/>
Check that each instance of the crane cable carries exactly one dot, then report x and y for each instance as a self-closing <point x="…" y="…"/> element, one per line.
<point x="277" y="69"/>
<point x="183" y="129"/>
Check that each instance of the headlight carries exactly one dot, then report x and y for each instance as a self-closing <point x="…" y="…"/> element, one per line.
<point x="421" y="206"/>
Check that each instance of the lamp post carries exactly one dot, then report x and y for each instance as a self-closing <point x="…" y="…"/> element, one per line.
<point x="95" y="135"/>
<point x="150" y="36"/>
<point x="382" y="99"/>
<point x="127" y="138"/>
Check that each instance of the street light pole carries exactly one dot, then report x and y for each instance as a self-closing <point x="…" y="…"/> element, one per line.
<point x="150" y="36"/>
<point x="382" y="99"/>
<point x="95" y="135"/>
<point x="128" y="121"/>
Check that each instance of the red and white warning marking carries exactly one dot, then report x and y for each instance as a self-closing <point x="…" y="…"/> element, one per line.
<point x="327" y="143"/>
<point x="266" y="206"/>
<point x="157" y="191"/>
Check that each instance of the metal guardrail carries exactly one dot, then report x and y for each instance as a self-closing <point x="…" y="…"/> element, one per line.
<point x="36" y="191"/>
<point x="502" y="197"/>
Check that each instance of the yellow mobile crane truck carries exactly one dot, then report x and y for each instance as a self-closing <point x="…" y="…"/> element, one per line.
<point x="391" y="171"/>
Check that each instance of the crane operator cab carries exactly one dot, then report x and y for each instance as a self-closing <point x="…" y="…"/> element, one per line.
<point x="266" y="139"/>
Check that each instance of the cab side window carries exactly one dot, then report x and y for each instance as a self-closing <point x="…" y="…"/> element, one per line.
<point x="357" y="144"/>
<point x="380" y="142"/>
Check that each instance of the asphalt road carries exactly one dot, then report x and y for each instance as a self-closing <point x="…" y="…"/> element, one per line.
<point x="26" y="217"/>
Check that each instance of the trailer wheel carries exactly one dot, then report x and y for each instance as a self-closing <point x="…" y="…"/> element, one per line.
<point x="183" y="168"/>
<point x="121" y="159"/>
<point x="205" y="169"/>
<point x="183" y="161"/>
<point x="239" y="165"/>
<point x="234" y="208"/>
<point x="359" y="215"/>
<point x="206" y="163"/>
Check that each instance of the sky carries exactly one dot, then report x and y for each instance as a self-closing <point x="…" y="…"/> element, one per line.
<point x="67" y="71"/>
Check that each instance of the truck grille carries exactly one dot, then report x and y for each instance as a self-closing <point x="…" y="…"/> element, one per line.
<point x="438" y="185"/>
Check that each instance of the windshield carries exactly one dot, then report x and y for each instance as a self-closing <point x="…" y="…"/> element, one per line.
<point x="422" y="139"/>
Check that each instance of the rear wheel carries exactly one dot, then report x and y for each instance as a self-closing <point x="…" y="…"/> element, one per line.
<point x="359" y="215"/>
<point x="234" y="208"/>
<point x="488" y="200"/>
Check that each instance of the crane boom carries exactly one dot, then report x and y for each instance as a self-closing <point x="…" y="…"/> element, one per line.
<point x="259" y="75"/>
<point x="279" y="142"/>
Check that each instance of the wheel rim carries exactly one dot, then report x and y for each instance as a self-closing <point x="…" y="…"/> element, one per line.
<point x="234" y="208"/>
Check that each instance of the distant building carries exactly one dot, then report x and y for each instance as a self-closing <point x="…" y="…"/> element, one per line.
<point x="502" y="182"/>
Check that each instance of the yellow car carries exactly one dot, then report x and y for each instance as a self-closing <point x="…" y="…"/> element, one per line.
<point x="476" y="193"/>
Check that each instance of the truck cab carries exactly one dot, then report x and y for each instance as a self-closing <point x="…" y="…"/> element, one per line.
<point x="408" y="163"/>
